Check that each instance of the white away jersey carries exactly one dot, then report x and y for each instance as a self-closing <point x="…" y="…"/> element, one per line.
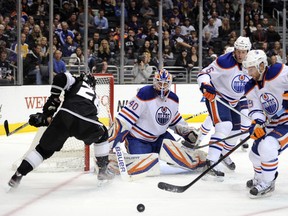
<point x="147" y="116"/>
<point x="265" y="97"/>
<point x="227" y="76"/>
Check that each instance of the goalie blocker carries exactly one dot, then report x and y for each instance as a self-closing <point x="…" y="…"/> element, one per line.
<point x="172" y="152"/>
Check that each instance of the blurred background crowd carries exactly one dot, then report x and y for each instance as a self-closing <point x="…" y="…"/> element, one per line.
<point x="180" y="27"/>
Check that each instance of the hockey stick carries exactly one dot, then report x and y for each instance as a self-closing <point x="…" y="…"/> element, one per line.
<point x="195" y="115"/>
<point x="6" y="127"/>
<point x="181" y="189"/>
<point x="189" y="145"/>
<point x="231" y="108"/>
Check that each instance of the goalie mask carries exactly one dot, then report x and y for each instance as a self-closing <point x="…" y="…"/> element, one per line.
<point x="88" y="78"/>
<point x="162" y="82"/>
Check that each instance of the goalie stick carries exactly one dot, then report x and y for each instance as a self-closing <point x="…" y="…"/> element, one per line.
<point x="6" y="127"/>
<point x="181" y="189"/>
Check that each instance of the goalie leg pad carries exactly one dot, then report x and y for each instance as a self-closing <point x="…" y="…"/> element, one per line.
<point x="178" y="155"/>
<point x="137" y="164"/>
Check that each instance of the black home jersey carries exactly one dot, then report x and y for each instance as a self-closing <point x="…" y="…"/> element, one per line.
<point x="79" y="98"/>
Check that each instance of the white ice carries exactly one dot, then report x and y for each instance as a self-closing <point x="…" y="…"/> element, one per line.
<point x="76" y="193"/>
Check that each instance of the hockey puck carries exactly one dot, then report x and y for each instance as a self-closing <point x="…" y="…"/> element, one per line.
<point x="140" y="207"/>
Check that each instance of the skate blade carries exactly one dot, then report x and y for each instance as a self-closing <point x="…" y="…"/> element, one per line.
<point x="268" y="194"/>
<point x="210" y="177"/>
<point x="101" y="183"/>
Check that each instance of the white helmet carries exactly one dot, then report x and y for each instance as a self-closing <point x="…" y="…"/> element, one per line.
<point x="242" y="43"/>
<point x="255" y="58"/>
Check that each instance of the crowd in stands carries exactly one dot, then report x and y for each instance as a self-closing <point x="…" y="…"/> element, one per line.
<point x="180" y="33"/>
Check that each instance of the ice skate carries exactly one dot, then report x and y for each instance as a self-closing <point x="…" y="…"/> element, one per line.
<point x="251" y="183"/>
<point x="262" y="189"/>
<point x="245" y="146"/>
<point x="15" y="180"/>
<point x="228" y="163"/>
<point x="215" y="173"/>
<point x="104" y="174"/>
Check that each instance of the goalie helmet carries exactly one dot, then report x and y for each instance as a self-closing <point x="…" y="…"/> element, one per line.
<point x="255" y="58"/>
<point x="242" y="43"/>
<point x="88" y="78"/>
<point x="162" y="82"/>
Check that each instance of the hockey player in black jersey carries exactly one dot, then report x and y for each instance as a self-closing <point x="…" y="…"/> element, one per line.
<point x="76" y="117"/>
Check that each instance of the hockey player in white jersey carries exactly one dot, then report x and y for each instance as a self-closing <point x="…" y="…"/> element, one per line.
<point x="267" y="93"/>
<point x="225" y="79"/>
<point x="144" y="121"/>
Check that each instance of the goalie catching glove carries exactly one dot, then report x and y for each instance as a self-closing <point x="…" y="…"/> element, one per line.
<point x="51" y="106"/>
<point x="188" y="133"/>
<point x="256" y="129"/>
<point x="38" y="120"/>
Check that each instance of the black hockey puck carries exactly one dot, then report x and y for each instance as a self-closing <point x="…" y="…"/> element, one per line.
<point x="140" y="207"/>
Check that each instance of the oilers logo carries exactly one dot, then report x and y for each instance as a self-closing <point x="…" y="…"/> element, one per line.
<point x="269" y="103"/>
<point x="239" y="82"/>
<point x="163" y="115"/>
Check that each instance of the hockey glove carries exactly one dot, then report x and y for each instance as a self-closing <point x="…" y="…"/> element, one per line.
<point x="118" y="132"/>
<point x="38" y="120"/>
<point x="256" y="129"/>
<point x="51" y="106"/>
<point x="285" y="100"/>
<point x="188" y="133"/>
<point x="209" y="92"/>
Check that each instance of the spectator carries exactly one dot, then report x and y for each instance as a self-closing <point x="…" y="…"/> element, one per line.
<point x="133" y="9"/>
<point x="183" y="60"/>
<point x="142" y="70"/>
<point x="78" y="39"/>
<point x="145" y="48"/>
<point x="272" y="35"/>
<point x="265" y="23"/>
<point x="167" y="41"/>
<point x="146" y="11"/>
<point x="259" y="36"/>
<point x="185" y="9"/>
<point x="217" y="21"/>
<point x="117" y="10"/>
<point x="64" y="32"/>
<point x="73" y="23"/>
<point x="24" y="49"/>
<point x="44" y="28"/>
<point x="148" y="25"/>
<point x="130" y="45"/>
<point x="228" y="12"/>
<point x="180" y="41"/>
<point x="152" y="37"/>
<point x="135" y="24"/>
<point x="193" y="39"/>
<point x="96" y="4"/>
<point x="66" y="11"/>
<point x="81" y="18"/>
<point x="207" y="41"/>
<point x="77" y="58"/>
<point x="101" y="68"/>
<point x="250" y="29"/>
<point x="100" y="21"/>
<point x="176" y="15"/>
<point x="59" y="65"/>
<point x="104" y="51"/>
<point x="34" y="36"/>
<point x="167" y="53"/>
<point x="275" y="50"/>
<point x="3" y="37"/>
<point x="97" y="40"/>
<point x="140" y="33"/>
<point x="186" y="28"/>
<point x="172" y="26"/>
<point x="69" y="47"/>
<point x="56" y="41"/>
<point x="31" y="66"/>
<point x="273" y="60"/>
<point x="167" y="6"/>
<point x="6" y="76"/>
<point x="210" y="27"/>
<point x="43" y="42"/>
<point x="256" y="10"/>
<point x="91" y="46"/>
<point x="194" y="56"/>
<point x="108" y="8"/>
<point x="39" y="8"/>
<point x="225" y="29"/>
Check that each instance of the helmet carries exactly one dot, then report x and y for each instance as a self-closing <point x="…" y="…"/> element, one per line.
<point x="88" y="78"/>
<point x="162" y="82"/>
<point x="255" y="58"/>
<point x="242" y="43"/>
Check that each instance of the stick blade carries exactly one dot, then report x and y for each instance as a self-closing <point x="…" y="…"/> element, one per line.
<point x="6" y="127"/>
<point x="171" y="188"/>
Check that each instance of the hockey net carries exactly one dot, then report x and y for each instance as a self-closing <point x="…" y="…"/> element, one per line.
<point x="75" y="155"/>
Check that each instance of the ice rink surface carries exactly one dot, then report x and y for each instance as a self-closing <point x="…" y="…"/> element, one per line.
<point x="77" y="193"/>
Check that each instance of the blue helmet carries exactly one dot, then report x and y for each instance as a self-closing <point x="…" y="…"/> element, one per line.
<point x="162" y="82"/>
